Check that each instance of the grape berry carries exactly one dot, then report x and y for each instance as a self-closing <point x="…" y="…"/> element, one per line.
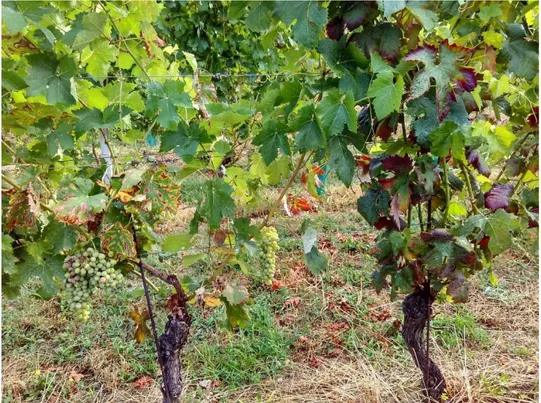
<point x="85" y="273"/>
<point x="267" y="255"/>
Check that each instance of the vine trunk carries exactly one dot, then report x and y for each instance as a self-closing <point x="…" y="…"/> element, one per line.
<point x="416" y="308"/>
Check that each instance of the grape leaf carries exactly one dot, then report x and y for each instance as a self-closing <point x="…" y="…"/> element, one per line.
<point x="124" y="94"/>
<point x="271" y="138"/>
<point x="184" y="140"/>
<point x="95" y="119"/>
<point x="92" y="26"/>
<point x="383" y="38"/>
<point x="448" y="72"/>
<point x="523" y="55"/>
<point x="498" y="196"/>
<point x="499" y="227"/>
<point x="389" y="7"/>
<point x="310" y="18"/>
<point x="341" y="158"/>
<point x="13" y="19"/>
<point x="174" y="243"/>
<point x="421" y="11"/>
<point x="372" y="203"/>
<point x="387" y="94"/>
<point x="336" y="110"/>
<point x="218" y="202"/>
<point x="61" y="236"/>
<point x="317" y="262"/>
<point x="357" y="83"/>
<point x="165" y="99"/>
<point x="477" y="161"/>
<point x="459" y="288"/>
<point x="260" y="16"/>
<point x="20" y="213"/>
<point x="118" y="241"/>
<point x="236" y="294"/>
<point x="8" y="259"/>
<point x="98" y="57"/>
<point x="310" y="135"/>
<point x="51" y="77"/>
<point x="77" y="206"/>
<point x="446" y="138"/>
<point x="50" y="272"/>
<point x="236" y="315"/>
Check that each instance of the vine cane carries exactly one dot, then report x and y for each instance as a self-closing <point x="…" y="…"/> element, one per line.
<point x="151" y="314"/>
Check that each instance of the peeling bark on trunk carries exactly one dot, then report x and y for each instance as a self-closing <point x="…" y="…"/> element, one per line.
<point x="171" y="343"/>
<point x="416" y="311"/>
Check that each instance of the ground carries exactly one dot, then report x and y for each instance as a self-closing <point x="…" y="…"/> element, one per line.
<point x="327" y="338"/>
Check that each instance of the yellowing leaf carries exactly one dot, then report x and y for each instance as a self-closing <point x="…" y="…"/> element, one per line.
<point x="212" y="302"/>
<point x="493" y="39"/>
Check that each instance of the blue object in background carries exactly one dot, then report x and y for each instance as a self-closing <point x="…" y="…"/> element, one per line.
<point x="151" y="140"/>
<point x="323" y="179"/>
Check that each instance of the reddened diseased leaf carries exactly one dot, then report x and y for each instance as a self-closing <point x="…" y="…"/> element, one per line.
<point x="398" y="165"/>
<point x="19" y="213"/>
<point x="118" y="240"/>
<point x="437" y="235"/>
<point x="447" y="72"/>
<point x="383" y="38"/>
<point x="459" y="289"/>
<point x="498" y="196"/>
<point x="477" y="161"/>
<point x="335" y="28"/>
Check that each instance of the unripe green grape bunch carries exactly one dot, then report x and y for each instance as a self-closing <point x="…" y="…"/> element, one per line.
<point x="87" y="272"/>
<point x="267" y="255"/>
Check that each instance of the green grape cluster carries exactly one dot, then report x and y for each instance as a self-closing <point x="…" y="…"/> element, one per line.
<point x="267" y="255"/>
<point x="87" y="272"/>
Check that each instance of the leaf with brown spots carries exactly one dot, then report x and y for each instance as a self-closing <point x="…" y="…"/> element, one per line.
<point x="143" y="382"/>
<point x="118" y="240"/>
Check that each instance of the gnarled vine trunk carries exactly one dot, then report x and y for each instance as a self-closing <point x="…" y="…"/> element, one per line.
<point x="416" y="308"/>
<point x="171" y="343"/>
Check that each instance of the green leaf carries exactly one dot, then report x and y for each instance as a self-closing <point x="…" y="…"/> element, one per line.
<point x="440" y="254"/>
<point x="389" y="7"/>
<point x="386" y="93"/>
<point x="98" y="58"/>
<point x="446" y="138"/>
<point x="236" y="315"/>
<point x="118" y="240"/>
<point x="260" y="16"/>
<point x="61" y="236"/>
<point x="184" y="141"/>
<point x="357" y="83"/>
<point x="8" y="259"/>
<point x="523" y="55"/>
<point x="60" y="139"/>
<point x="336" y="110"/>
<point x="132" y="177"/>
<point x="372" y="203"/>
<point x="317" y="262"/>
<point x="124" y="94"/>
<point x="236" y="294"/>
<point x="499" y="227"/>
<point x="310" y="18"/>
<point x="310" y="135"/>
<point x="273" y="137"/>
<point x="50" y="272"/>
<point x="93" y="26"/>
<point x="13" y="19"/>
<point x="421" y="11"/>
<point x="188" y="260"/>
<point x="279" y="169"/>
<point x="175" y="243"/>
<point x="341" y="159"/>
<point x="95" y="119"/>
<point x="218" y="202"/>
<point x="51" y="77"/>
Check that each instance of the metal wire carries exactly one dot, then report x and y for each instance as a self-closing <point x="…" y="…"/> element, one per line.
<point x="215" y="75"/>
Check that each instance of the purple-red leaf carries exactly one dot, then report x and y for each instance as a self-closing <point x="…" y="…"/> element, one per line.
<point x="335" y="28"/>
<point x="477" y="161"/>
<point x="356" y="15"/>
<point x="498" y="197"/>
<point x="398" y="165"/>
<point x="437" y="235"/>
<point x="446" y="68"/>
